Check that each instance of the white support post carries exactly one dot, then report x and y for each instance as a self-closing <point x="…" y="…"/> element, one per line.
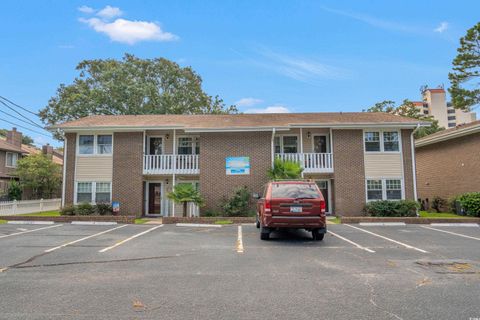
<point x="302" y="158"/>
<point x="14" y="208"/>
<point x="174" y="166"/>
<point x="64" y="169"/>
<point x="331" y="146"/>
<point x="41" y="205"/>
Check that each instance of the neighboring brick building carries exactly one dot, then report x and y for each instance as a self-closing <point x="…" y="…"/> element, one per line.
<point x="136" y="160"/>
<point x="448" y="162"/>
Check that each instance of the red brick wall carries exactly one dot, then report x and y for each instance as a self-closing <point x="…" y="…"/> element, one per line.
<point x="127" y="180"/>
<point x="449" y="168"/>
<point x="349" y="172"/>
<point x="70" y="167"/>
<point x="215" y="147"/>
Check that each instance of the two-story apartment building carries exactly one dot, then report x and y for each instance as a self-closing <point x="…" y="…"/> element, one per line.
<point x="137" y="159"/>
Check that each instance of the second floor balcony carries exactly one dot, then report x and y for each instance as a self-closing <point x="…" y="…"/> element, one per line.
<point x="170" y="163"/>
<point x="310" y="162"/>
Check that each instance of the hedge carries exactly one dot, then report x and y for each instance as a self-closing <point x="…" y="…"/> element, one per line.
<point x="390" y="208"/>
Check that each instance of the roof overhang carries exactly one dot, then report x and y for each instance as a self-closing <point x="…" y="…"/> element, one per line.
<point x="447" y="136"/>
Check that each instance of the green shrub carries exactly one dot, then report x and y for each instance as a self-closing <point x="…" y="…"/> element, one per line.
<point x="439" y="204"/>
<point x="470" y="203"/>
<point x="389" y="208"/>
<point x="84" y="209"/>
<point x="211" y="213"/>
<point x="67" y="211"/>
<point x="285" y="170"/>
<point x="238" y="205"/>
<point x="14" y="191"/>
<point x="103" y="209"/>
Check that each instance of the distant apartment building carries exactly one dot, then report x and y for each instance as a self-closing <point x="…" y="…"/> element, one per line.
<point x="435" y="104"/>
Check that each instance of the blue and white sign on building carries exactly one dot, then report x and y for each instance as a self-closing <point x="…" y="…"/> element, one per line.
<point x="237" y="165"/>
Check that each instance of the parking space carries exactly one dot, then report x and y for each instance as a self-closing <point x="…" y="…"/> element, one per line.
<point x="148" y="271"/>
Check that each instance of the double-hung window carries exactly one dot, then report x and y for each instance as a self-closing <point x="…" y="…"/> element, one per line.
<point x="11" y="160"/>
<point x="286" y="144"/>
<point x="93" y="192"/>
<point x="384" y="189"/>
<point x="382" y="141"/>
<point x="91" y="144"/>
<point x="188" y="145"/>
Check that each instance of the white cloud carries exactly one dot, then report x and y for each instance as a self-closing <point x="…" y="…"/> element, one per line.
<point x="86" y="9"/>
<point x="248" y="102"/>
<point x="270" y="109"/>
<point x="442" y="27"/>
<point x="130" y="32"/>
<point x="109" y="12"/>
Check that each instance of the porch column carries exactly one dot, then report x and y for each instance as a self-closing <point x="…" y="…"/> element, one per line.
<point x="174" y="166"/>
<point x="301" y="149"/>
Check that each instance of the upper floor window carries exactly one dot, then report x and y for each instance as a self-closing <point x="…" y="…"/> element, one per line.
<point x="95" y="144"/>
<point x="11" y="160"/>
<point x="286" y="144"/>
<point x="381" y="141"/>
<point x="188" y="145"/>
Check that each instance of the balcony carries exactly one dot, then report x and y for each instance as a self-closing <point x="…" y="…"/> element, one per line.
<point x="169" y="164"/>
<point x="311" y="162"/>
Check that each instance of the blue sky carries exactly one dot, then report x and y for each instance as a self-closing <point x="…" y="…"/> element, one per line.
<point x="297" y="56"/>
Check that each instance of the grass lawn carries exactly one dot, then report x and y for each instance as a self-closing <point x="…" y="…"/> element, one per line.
<point x="3" y="221"/>
<point x="54" y="213"/>
<point x="222" y="222"/>
<point x="140" y="221"/>
<point x="425" y="214"/>
<point x="335" y="220"/>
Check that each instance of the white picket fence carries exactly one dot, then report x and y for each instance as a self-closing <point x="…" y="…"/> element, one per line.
<point x="8" y="208"/>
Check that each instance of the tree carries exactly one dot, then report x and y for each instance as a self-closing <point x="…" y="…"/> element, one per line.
<point x="39" y="173"/>
<point x="465" y="87"/>
<point x="25" y="139"/>
<point x="14" y="191"/>
<point x="285" y="169"/>
<point x="131" y="86"/>
<point x="407" y="109"/>
<point x="184" y="193"/>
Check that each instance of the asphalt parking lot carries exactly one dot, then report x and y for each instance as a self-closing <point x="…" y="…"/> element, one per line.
<point x="167" y="272"/>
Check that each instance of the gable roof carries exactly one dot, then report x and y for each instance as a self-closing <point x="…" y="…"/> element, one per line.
<point x="240" y="122"/>
<point x="458" y="131"/>
<point x="27" y="149"/>
<point x="4" y="145"/>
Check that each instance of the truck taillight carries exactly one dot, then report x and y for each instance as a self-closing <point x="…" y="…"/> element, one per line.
<point x="268" y="206"/>
<point x="322" y="206"/>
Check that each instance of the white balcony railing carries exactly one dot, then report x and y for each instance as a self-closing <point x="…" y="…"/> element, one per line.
<point x="169" y="164"/>
<point x="311" y="162"/>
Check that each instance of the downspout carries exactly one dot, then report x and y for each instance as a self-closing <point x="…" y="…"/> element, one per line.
<point x="64" y="169"/>
<point x="414" y="167"/>
<point x="174" y="166"/>
<point x="273" y="146"/>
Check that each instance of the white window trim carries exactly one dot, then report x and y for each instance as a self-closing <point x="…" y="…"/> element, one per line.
<point x="6" y="159"/>
<point x="326" y="135"/>
<point x="95" y="151"/>
<point x="94" y="190"/>
<point x="156" y="136"/>
<point x="384" y="188"/>
<point x="381" y="131"/>
<point x="281" y="141"/>
<point x="194" y="143"/>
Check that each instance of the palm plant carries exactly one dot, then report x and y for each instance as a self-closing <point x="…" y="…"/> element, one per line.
<point x="185" y="193"/>
<point x="285" y="169"/>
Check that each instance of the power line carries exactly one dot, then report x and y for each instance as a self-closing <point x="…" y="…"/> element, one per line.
<point x="20" y="126"/>
<point x="28" y="119"/>
<point x="8" y="114"/>
<point x="16" y="105"/>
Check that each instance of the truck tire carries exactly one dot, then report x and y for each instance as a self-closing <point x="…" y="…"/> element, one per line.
<point x="317" y="236"/>
<point x="264" y="234"/>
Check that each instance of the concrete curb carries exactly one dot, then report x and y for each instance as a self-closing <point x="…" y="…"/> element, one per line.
<point x="382" y="224"/>
<point x="407" y="220"/>
<point x="90" y="223"/>
<point x="29" y="222"/>
<point x="446" y="224"/>
<point x="198" y="225"/>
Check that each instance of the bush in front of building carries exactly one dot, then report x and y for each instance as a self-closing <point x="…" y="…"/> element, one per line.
<point x="439" y="204"/>
<point x="86" y="209"/>
<point x="285" y="169"/>
<point x="238" y="205"/>
<point x="14" y="191"/>
<point x="470" y="203"/>
<point x="392" y="208"/>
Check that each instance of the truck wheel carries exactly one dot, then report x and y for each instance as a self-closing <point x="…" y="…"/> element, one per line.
<point x="317" y="236"/>
<point x="257" y="223"/>
<point x="264" y="234"/>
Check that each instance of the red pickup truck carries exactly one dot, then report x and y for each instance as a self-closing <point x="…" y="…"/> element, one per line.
<point x="291" y="204"/>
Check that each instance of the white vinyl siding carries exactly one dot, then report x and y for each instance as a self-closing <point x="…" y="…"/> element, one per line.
<point x="94" y="168"/>
<point x="383" y="165"/>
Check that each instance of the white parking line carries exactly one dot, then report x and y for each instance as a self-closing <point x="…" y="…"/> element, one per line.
<point x="382" y="224"/>
<point x="85" y="238"/>
<point x="38" y="229"/>
<point x="199" y="225"/>
<point x="351" y="242"/>
<point x="130" y="238"/>
<point x="454" y="233"/>
<point x="388" y="239"/>
<point x="240" y="240"/>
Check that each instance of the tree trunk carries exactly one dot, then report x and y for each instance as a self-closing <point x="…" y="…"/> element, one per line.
<point x="185" y="209"/>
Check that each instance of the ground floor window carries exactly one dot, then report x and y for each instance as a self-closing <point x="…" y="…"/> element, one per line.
<point x="384" y="189"/>
<point x="93" y="192"/>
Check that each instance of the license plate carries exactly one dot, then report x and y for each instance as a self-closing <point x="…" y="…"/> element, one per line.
<point x="296" y="209"/>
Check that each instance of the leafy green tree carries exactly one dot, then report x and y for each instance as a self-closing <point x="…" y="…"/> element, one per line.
<point x="39" y="173"/>
<point x="131" y="86"/>
<point x="238" y="205"/>
<point x="184" y="193"/>
<point x="285" y="169"/>
<point x="464" y="79"/>
<point x="14" y="191"/>
<point x="407" y="109"/>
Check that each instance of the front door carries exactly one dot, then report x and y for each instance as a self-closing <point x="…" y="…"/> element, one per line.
<point x="154" y="198"/>
<point x="320" y="144"/>
<point x="323" y="186"/>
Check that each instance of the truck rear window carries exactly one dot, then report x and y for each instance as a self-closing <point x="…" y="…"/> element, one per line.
<point x="292" y="190"/>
